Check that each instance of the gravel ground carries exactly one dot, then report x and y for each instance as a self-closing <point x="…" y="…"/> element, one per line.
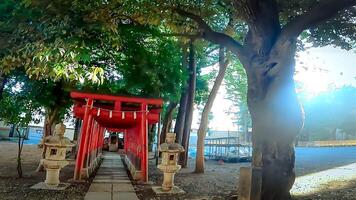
<point x="13" y="188"/>
<point x="218" y="181"/>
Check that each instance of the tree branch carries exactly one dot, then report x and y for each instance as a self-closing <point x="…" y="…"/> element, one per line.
<point x="187" y="35"/>
<point x="321" y="12"/>
<point x="213" y="36"/>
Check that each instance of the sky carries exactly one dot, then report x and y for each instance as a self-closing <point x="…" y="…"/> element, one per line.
<point x="317" y="69"/>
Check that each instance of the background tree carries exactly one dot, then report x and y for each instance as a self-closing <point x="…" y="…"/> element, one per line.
<point x="223" y="64"/>
<point x="18" y="110"/>
<point x="236" y="92"/>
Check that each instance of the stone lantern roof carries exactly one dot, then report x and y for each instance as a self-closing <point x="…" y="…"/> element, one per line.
<point x="170" y="145"/>
<point x="58" y="139"/>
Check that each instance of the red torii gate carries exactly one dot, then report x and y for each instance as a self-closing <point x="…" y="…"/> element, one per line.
<point x="130" y="115"/>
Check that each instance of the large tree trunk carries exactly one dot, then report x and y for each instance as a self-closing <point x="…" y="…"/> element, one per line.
<point x="179" y="125"/>
<point x="167" y="121"/>
<point x="199" y="165"/>
<point x="277" y="118"/>
<point x="190" y="105"/>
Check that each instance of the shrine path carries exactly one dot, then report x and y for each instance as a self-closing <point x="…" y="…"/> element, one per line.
<point x="111" y="181"/>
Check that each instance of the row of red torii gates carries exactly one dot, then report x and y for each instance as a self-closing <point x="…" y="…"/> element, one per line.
<point x="100" y="113"/>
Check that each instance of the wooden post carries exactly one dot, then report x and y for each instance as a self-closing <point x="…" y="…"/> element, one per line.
<point x="144" y="142"/>
<point x="89" y="144"/>
<point x="126" y="139"/>
<point x="158" y="138"/>
<point x="83" y="142"/>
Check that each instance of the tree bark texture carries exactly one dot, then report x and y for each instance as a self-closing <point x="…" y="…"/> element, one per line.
<point x="50" y="120"/>
<point x="167" y="121"/>
<point x="3" y="81"/>
<point x="199" y="165"/>
<point x="277" y="119"/>
<point x="151" y="136"/>
<point x="179" y="125"/>
<point x="77" y="128"/>
<point x="20" y="141"/>
<point x="190" y="105"/>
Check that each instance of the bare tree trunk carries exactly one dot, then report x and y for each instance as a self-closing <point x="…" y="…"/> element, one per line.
<point x="167" y="121"/>
<point x="3" y="80"/>
<point x="199" y="165"/>
<point x="190" y="105"/>
<point x="277" y="119"/>
<point x="179" y="125"/>
<point x="246" y="125"/>
<point x="77" y="128"/>
<point x="19" y="152"/>
<point x="151" y="136"/>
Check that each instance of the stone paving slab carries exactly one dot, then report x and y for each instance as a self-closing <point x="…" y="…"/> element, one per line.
<point x="111" y="181"/>
<point x="124" y="196"/>
<point x="98" y="196"/>
<point x="100" y="187"/>
<point x="123" y="187"/>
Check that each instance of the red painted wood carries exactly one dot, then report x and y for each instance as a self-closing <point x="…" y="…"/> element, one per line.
<point x="125" y="141"/>
<point x="89" y="142"/>
<point x="82" y="142"/>
<point x="117" y="105"/>
<point x="130" y="115"/>
<point x="144" y="136"/>
<point x="106" y="97"/>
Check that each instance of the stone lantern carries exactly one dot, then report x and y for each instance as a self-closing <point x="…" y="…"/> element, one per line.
<point x="170" y="151"/>
<point x="56" y="147"/>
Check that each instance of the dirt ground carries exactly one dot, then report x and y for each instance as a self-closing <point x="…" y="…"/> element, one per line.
<point x="13" y="188"/>
<point x="218" y="182"/>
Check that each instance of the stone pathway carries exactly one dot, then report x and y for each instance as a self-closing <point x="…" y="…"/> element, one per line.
<point x="111" y="181"/>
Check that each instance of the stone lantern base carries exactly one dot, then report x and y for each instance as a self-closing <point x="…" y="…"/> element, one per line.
<point x="52" y="182"/>
<point x="158" y="190"/>
<point x="44" y="186"/>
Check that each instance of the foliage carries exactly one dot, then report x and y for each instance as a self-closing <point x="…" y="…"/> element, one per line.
<point x="82" y="45"/>
<point x="147" y="65"/>
<point x="338" y="31"/>
<point x="55" y="39"/>
<point x="16" y="108"/>
<point x="236" y="92"/>
<point x="35" y="98"/>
